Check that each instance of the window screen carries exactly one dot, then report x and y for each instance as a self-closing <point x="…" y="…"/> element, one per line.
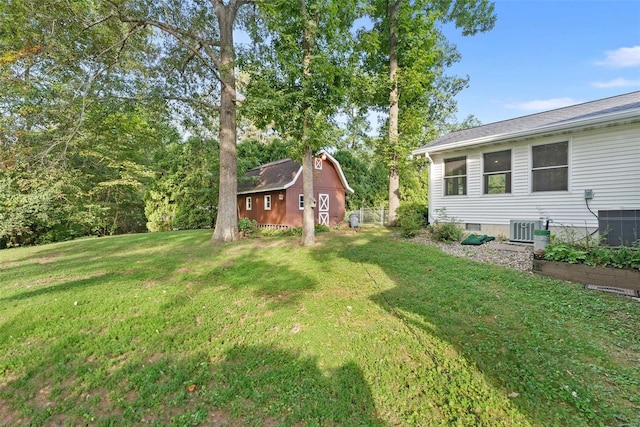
<point x="550" y="167"/>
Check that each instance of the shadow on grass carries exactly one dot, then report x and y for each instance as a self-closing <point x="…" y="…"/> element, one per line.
<point x="66" y="286"/>
<point x="249" y="385"/>
<point x="159" y="257"/>
<point x="515" y="328"/>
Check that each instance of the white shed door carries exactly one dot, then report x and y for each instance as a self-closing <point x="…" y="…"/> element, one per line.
<point x="323" y="209"/>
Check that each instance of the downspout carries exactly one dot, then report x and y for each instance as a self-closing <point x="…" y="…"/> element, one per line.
<point x="430" y="160"/>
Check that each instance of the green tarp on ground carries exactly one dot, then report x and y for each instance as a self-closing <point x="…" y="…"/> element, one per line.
<point x="474" y="239"/>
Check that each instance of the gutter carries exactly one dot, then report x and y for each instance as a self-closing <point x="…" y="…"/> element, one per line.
<point x="626" y="117"/>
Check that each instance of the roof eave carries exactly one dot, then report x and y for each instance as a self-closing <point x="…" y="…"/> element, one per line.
<point x="339" y="169"/>
<point x="278" y="188"/>
<point x="261" y="190"/>
<point x="629" y="116"/>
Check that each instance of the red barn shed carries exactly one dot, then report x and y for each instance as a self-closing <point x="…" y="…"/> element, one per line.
<point x="272" y="193"/>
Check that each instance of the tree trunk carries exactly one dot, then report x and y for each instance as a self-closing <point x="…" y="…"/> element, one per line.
<point x="394" y="177"/>
<point x="226" y="229"/>
<point x="308" y="218"/>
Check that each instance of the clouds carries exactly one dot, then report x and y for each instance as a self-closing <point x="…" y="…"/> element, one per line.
<point x="618" y="82"/>
<point x="623" y="62"/>
<point x="622" y="57"/>
<point x="543" y="104"/>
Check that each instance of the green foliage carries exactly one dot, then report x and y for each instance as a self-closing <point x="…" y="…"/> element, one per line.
<point x="426" y="93"/>
<point x="446" y="228"/>
<point x="293" y="231"/>
<point x="185" y="192"/>
<point x="414" y="182"/>
<point x="368" y="178"/>
<point x="248" y="227"/>
<point x="412" y="217"/>
<point x="601" y="256"/>
<point x="446" y="231"/>
<point x="566" y="253"/>
<point x="252" y="153"/>
<point x="321" y="228"/>
<point x="299" y="99"/>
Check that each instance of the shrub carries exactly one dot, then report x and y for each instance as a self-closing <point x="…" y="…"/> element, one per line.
<point x="446" y="229"/>
<point x="248" y="227"/>
<point x="411" y="218"/>
<point x="447" y="232"/>
<point x="321" y="228"/>
<point x="293" y="231"/>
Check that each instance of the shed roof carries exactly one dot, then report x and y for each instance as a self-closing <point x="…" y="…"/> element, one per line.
<point x="561" y="119"/>
<point x="272" y="176"/>
<point x="280" y="175"/>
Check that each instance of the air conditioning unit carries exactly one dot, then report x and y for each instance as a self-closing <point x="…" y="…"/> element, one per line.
<point x="521" y="230"/>
<point x="621" y="227"/>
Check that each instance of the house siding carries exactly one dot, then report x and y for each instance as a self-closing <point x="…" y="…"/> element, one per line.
<point x="605" y="160"/>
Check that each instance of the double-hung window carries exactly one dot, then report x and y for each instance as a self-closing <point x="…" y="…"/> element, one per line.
<point x="267" y="202"/>
<point x="301" y="201"/>
<point x="455" y="176"/>
<point x="550" y="167"/>
<point x="248" y="203"/>
<point x="497" y="172"/>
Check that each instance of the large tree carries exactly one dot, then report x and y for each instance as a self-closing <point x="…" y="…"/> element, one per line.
<point x="407" y="55"/>
<point x="196" y="65"/>
<point x="298" y="78"/>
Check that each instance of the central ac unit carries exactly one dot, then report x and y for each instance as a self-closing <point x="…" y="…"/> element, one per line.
<point x="521" y="230"/>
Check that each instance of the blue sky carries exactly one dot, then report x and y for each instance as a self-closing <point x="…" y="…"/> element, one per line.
<point x="546" y="54"/>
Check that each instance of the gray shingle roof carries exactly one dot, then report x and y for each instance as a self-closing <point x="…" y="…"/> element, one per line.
<point x="531" y="122"/>
<point x="271" y="176"/>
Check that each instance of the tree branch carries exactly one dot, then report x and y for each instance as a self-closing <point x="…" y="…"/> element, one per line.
<point x="182" y="37"/>
<point x="99" y="21"/>
<point x="193" y="101"/>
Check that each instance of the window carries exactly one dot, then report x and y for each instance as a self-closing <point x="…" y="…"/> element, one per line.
<point x="301" y="201"/>
<point x="455" y="176"/>
<point x="267" y="202"/>
<point x="318" y="162"/>
<point x="550" y="170"/>
<point x="497" y="172"/>
<point x="248" y="203"/>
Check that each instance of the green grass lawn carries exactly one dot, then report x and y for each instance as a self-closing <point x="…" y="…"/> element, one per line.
<point x="362" y="329"/>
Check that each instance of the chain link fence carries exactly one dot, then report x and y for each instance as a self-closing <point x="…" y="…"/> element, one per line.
<point x="371" y="216"/>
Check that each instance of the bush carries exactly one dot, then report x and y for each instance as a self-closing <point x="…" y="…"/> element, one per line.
<point x="248" y="227"/>
<point x="447" y="232"/>
<point x="446" y="228"/>
<point x="288" y="232"/>
<point x="321" y="228"/>
<point x="411" y="218"/>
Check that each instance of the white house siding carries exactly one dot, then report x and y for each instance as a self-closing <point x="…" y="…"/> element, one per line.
<point x="606" y="161"/>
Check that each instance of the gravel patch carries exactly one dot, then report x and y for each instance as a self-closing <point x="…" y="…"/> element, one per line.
<point x="519" y="257"/>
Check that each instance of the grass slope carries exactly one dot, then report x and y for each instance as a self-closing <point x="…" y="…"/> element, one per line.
<point x="362" y="329"/>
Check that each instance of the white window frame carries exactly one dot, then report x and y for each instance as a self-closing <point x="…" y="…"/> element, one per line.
<point x="456" y="177"/>
<point x="267" y="202"/>
<point x="301" y="202"/>
<point x="318" y="163"/>
<point x="507" y="172"/>
<point x="566" y="166"/>
<point x="247" y="203"/>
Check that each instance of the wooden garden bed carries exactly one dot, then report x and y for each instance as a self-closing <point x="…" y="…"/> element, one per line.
<point x="598" y="276"/>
